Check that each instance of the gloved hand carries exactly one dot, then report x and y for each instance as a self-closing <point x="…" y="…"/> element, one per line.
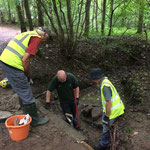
<point x="47" y="105"/>
<point x="77" y="101"/>
<point x="30" y="80"/>
<point x="105" y="120"/>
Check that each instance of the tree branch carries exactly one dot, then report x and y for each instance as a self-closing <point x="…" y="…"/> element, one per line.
<point x="50" y="18"/>
<point x="58" y="19"/>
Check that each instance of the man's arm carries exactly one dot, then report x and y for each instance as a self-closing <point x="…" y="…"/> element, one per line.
<point x="47" y="103"/>
<point x="108" y="107"/>
<point x="31" y="51"/>
<point x="77" y="92"/>
<point x="107" y="95"/>
<point x="51" y="88"/>
<point x="48" y="95"/>
<point x="26" y="63"/>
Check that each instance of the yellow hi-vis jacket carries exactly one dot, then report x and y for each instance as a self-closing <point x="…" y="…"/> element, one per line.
<point x="16" y="48"/>
<point x="117" y="106"/>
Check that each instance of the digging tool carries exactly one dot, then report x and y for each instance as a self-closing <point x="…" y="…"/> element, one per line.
<point x="16" y="121"/>
<point x="37" y="96"/>
<point x="69" y="118"/>
<point x="77" y="112"/>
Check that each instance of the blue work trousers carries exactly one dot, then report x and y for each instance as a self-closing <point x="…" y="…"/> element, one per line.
<point x="105" y="136"/>
<point x="19" y="82"/>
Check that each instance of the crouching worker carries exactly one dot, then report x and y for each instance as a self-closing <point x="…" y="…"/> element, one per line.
<point x="64" y="83"/>
<point x="15" y="62"/>
<point x="113" y="106"/>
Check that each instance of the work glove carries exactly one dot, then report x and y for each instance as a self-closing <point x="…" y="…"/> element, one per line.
<point x="30" y="80"/>
<point x="47" y="105"/>
<point x="105" y="120"/>
<point x="77" y="101"/>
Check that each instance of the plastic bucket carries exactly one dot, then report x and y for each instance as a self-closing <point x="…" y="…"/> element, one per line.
<point x="17" y="133"/>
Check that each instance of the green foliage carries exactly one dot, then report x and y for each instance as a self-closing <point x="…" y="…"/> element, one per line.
<point x="125" y="17"/>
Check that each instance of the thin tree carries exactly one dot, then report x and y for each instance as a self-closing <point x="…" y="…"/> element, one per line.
<point x="28" y="14"/>
<point x="87" y="17"/>
<point x="141" y="15"/>
<point x="111" y="17"/>
<point x="96" y="13"/>
<point x="20" y="17"/>
<point x="40" y="13"/>
<point x="9" y="13"/>
<point x="1" y="17"/>
<point x="103" y="17"/>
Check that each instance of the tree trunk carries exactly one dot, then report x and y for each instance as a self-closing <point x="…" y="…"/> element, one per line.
<point x="50" y="19"/>
<point x="96" y="13"/>
<point x="40" y="13"/>
<point x="28" y="14"/>
<point x="9" y="14"/>
<point x="21" y="18"/>
<point x="71" y="44"/>
<point x="58" y="20"/>
<point x="87" y="17"/>
<point x="93" y="16"/>
<point x="103" y="17"/>
<point x="141" y="14"/>
<point x="1" y="18"/>
<point x="111" y="17"/>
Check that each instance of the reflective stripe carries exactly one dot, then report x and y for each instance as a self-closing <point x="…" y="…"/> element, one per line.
<point x="116" y="95"/>
<point x="19" y="43"/>
<point x="112" y="99"/>
<point x="23" y="38"/>
<point x="14" y="51"/>
<point x="114" y="107"/>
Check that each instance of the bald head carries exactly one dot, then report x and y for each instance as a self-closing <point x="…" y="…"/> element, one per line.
<point x="61" y="75"/>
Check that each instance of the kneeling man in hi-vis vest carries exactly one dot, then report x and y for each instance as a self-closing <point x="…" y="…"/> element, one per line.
<point x="15" y="62"/>
<point x="113" y="106"/>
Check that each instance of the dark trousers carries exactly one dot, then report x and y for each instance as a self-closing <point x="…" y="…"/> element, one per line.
<point x="69" y="108"/>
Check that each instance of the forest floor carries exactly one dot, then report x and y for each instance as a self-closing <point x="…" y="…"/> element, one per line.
<point x="128" y="72"/>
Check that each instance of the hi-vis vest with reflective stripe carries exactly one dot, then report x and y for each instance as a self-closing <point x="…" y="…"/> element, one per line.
<point x="117" y="106"/>
<point x="16" y="48"/>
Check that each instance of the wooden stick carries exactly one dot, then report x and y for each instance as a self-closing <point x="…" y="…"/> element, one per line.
<point x="86" y="145"/>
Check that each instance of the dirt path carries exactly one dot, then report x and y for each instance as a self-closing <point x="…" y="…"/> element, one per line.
<point x="7" y="32"/>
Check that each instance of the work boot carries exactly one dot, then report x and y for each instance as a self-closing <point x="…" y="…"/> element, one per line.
<point x="31" y="109"/>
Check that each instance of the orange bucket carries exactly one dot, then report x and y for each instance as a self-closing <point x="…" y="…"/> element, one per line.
<point x="17" y="133"/>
